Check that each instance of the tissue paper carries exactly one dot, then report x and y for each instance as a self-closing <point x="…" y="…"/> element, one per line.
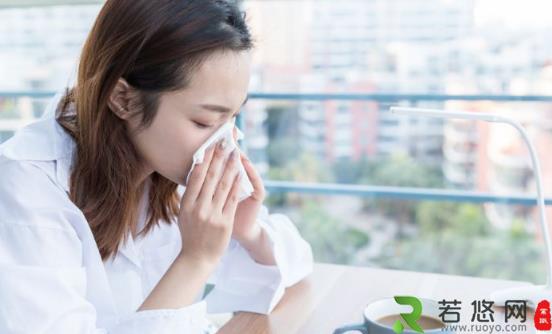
<point x="225" y="132"/>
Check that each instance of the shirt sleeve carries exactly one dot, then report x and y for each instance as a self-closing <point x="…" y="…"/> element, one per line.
<point x="242" y="284"/>
<point x="43" y="283"/>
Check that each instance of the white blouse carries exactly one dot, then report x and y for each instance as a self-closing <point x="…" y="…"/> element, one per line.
<point x="53" y="280"/>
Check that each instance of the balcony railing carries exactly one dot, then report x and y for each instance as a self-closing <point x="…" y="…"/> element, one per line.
<point x="403" y="193"/>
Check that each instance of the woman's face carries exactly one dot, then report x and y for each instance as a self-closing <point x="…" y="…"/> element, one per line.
<point x="186" y="118"/>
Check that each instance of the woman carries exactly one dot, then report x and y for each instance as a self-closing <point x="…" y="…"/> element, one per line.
<point x="96" y="236"/>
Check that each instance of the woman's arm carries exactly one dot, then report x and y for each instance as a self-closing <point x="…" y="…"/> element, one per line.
<point x="242" y="283"/>
<point x="170" y="292"/>
<point x="47" y="284"/>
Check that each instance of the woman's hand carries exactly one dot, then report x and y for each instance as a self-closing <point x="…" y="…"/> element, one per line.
<point x="208" y="207"/>
<point x="246" y="229"/>
<point x="205" y="221"/>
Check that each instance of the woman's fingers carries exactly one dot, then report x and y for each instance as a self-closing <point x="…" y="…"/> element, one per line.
<point x="256" y="181"/>
<point x="195" y="182"/>
<point x="226" y="182"/>
<point x="213" y="175"/>
<point x="231" y="204"/>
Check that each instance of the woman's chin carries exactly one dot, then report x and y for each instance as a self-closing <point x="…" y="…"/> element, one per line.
<point x="178" y="179"/>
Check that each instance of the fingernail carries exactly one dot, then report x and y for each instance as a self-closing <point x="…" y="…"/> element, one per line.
<point x="222" y="144"/>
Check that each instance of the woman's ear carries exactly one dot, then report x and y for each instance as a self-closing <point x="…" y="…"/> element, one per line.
<point x="119" y="99"/>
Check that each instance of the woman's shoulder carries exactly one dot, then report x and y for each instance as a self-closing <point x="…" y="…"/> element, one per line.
<point x="26" y="176"/>
<point x="29" y="194"/>
<point x="17" y="166"/>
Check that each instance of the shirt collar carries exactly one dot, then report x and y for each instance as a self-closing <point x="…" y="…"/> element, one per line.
<point x="44" y="140"/>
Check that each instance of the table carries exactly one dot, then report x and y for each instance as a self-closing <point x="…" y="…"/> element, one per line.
<point x="334" y="295"/>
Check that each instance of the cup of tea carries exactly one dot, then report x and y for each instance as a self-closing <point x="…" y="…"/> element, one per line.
<point x="380" y="317"/>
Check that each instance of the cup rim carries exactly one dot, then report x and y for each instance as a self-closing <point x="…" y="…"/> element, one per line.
<point x="425" y="301"/>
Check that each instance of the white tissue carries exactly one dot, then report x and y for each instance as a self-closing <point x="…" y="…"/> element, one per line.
<point x="226" y="132"/>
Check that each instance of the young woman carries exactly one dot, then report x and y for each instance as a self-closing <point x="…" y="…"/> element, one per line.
<point x="96" y="235"/>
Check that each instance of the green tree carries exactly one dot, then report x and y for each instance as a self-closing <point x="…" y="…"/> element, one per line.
<point x="331" y="240"/>
<point x="306" y="168"/>
<point x="352" y="172"/>
<point x="457" y="238"/>
<point x="400" y="171"/>
<point x="282" y="151"/>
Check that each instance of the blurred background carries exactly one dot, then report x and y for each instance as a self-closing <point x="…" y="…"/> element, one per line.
<point x="364" y="187"/>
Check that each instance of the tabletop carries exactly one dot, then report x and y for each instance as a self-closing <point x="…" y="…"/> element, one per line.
<point x="334" y="295"/>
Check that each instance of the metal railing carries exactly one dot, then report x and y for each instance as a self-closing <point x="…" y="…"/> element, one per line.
<point x="403" y="193"/>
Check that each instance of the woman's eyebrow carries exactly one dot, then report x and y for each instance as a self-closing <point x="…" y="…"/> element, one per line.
<point x="221" y="109"/>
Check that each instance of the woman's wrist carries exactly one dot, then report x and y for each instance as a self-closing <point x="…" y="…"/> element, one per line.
<point x="180" y="284"/>
<point x="252" y="239"/>
<point x="195" y="262"/>
<point x="259" y="247"/>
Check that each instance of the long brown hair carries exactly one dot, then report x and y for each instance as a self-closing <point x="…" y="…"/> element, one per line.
<point x="155" y="46"/>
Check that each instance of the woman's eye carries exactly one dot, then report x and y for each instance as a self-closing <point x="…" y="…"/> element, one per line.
<point x="201" y="125"/>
